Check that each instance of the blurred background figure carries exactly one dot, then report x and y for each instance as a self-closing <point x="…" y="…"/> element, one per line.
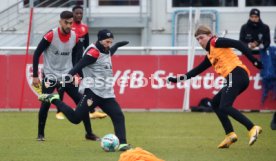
<point x="273" y="121"/>
<point x="255" y="33"/>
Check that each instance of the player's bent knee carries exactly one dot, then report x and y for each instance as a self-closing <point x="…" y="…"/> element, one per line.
<point x="75" y="120"/>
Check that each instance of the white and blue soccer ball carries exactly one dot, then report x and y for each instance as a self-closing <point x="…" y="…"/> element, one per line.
<point x="110" y="143"/>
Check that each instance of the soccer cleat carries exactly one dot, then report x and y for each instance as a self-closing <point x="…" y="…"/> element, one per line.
<point x="43" y="98"/>
<point x="92" y="137"/>
<point x="229" y="139"/>
<point x="124" y="147"/>
<point x="60" y="116"/>
<point x="253" y="134"/>
<point x="40" y="138"/>
<point x="97" y="114"/>
<point x="48" y="97"/>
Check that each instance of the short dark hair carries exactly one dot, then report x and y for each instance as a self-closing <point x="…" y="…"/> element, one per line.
<point x="77" y="7"/>
<point x="66" y="15"/>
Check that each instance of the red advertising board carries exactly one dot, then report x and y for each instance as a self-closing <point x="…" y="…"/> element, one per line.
<point x="140" y="83"/>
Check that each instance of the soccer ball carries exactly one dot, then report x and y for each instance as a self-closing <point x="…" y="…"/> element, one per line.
<point x="110" y="143"/>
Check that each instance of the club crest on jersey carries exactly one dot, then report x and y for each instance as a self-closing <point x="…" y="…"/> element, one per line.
<point x="29" y="75"/>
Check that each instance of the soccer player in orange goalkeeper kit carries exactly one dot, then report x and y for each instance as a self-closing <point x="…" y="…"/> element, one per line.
<point x="227" y="64"/>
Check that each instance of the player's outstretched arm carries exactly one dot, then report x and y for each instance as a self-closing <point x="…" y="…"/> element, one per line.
<point x="205" y="64"/>
<point x="115" y="47"/>
<point x="230" y="43"/>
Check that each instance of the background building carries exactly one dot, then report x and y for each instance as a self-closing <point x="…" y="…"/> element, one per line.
<point x="143" y="22"/>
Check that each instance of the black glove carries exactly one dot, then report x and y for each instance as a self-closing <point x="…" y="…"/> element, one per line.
<point x="258" y="64"/>
<point x="114" y="48"/>
<point x="172" y="79"/>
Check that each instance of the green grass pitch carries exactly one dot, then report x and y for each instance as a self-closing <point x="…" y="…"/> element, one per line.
<point x="172" y="136"/>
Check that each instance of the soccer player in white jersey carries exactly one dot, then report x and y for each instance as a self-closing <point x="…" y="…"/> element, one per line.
<point x="96" y="65"/>
<point x="58" y="47"/>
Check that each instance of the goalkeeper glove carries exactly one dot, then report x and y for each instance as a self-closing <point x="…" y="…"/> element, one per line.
<point x="38" y="89"/>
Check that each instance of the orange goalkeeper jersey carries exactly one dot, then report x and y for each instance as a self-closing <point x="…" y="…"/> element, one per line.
<point x="138" y="154"/>
<point x="224" y="60"/>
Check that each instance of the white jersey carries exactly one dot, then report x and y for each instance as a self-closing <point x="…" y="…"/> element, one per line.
<point x="98" y="76"/>
<point x="58" y="56"/>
